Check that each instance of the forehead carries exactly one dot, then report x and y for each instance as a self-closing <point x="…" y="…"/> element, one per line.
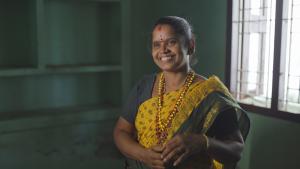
<point x="164" y="31"/>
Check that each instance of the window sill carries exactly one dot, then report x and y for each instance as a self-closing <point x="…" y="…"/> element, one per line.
<point x="271" y="113"/>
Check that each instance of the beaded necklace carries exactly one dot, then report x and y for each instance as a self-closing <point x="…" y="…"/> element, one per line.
<point x="163" y="127"/>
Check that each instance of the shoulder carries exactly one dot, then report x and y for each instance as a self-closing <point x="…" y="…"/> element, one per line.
<point x="211" y="81"/>
<point x="199" y="78"/>
<point x="139" y="93"/>
<point x="145" y="81"/>
<point x="143" y="88"/>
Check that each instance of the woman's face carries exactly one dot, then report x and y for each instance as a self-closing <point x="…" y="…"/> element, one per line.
<point x="168" y="49"/>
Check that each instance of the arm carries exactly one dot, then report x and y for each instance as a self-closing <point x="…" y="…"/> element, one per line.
<point x="124" y="138"/>
<point x="226" y="150"/>
<point x="226" y="146"/>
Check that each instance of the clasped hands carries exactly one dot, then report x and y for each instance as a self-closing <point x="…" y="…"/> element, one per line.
<point x="174" y="151"/>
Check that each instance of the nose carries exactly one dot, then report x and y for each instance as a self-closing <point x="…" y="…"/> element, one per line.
<point x="165" y="48"/>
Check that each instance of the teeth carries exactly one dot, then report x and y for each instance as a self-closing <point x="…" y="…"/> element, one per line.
<point x="166" y="58"/>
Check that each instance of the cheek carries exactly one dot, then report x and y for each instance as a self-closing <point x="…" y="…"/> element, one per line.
<point x="154" y="54"/>
<point x="179" y="51"/>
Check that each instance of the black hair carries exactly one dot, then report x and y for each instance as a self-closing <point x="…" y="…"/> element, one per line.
<point x="180" y="26"/>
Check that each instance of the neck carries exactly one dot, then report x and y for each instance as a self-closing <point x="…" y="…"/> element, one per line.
<point x="174" y="80"/>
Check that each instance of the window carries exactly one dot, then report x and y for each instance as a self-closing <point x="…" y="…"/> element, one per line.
<point x="265" y="54"/>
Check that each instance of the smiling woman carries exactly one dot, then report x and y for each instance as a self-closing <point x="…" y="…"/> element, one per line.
<point x="168" y="50"/>
<point x="177" y="118"/>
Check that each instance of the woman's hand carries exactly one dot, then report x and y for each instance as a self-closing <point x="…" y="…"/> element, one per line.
<point x="180" y="147"/>
<point x="152" y="157"/>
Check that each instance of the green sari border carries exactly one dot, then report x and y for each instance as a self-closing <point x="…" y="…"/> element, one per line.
<point x="203" y="117"/>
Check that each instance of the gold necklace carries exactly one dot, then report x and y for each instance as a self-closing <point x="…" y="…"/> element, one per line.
<point x="163" y="127"/>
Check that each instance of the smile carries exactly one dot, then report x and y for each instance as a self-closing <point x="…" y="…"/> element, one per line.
<point x="166" y="58"/>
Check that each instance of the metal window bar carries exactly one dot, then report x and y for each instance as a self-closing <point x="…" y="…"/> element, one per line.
<point x="267" y="98"/>
<point x="290" y="49"/>
<point x="270" y="51"/>
<point x="247" y="82"/>
<point x="289" y="81"/>
<point x="253" y="99"/>
<point x="249" y="9"/>
<point x="299" y="92"/>
<point x="245" y="21"/>
<point x="290" y="88"/>
<point x="250" y="71"/>
<point x="236" y="48"/>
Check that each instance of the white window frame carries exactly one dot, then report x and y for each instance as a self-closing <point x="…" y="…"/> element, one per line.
<point x="233" y="64"/>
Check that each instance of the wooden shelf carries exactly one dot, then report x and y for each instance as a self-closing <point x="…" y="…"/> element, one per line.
<point x="57" y="53"/>
<point x="64" y="70"/>
<point x="58" y="69"/>
<point x="82" y="32"/>
<point x="55" y="117"/>
<point x="81" y="69"/>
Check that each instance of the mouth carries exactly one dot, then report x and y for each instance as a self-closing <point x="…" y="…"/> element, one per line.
<point x="166" y="58"/>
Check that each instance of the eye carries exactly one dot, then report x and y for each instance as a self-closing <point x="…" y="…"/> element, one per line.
<point x="172" y="42"/>
<point x="155" y="45"/>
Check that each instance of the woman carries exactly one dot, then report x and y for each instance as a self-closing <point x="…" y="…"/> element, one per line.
<point x="177" y="118"/>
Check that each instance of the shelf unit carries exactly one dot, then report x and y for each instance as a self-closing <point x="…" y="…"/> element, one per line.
<point x="58" y="55"/>
<point x="59" y="117"/>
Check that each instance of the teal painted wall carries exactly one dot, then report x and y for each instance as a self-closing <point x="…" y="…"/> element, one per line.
<point x="57" y="62"/>
<point x="272" y="143"/>
<point x="58" y="142"/>
<point x="83" y="139"/>
<point x="209" y="28"/>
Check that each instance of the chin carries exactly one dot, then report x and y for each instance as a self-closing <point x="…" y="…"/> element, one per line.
<point x="171" y="68"/>
<point x="168" y="68"/>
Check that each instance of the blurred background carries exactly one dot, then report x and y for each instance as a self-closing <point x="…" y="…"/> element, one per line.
<point x="66" y="67"/>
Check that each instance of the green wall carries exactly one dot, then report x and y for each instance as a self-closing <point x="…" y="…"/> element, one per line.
<point x="60" y="83"/>
<point x="74" y="141"/>
<point x="272" y="143"/>
<point x="209" y="28"/>
<point x="84" y="139"/>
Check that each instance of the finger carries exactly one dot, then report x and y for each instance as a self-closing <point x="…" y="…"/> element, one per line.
<point x="174" y="140"/>
<point x="173" y="154"/>
<point x="158" y="164"/>
<point x="157" y="167"/>
<point x="168" y="150"/>
<point x="180" y="159"/>
<point x="157" y="148"/>
<point x="173" y="144"/>
<point x="155" y="155"/>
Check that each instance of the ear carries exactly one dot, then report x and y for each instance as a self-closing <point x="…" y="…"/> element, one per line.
<point x="191" y="47"/>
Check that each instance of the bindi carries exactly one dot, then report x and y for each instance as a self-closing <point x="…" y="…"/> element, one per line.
<point x="161" y="37"/>
<point x="159" y="27"/>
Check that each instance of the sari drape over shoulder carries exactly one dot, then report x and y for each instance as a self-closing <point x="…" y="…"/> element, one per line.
<point x="203" y="102"/>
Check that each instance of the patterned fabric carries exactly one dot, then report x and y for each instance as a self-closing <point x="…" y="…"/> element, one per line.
<point x="200" y="107"/>
<point x="145" y="119"/>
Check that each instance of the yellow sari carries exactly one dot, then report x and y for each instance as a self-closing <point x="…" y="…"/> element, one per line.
<point x="145" y="119"/>
<point x="201" y="105"/>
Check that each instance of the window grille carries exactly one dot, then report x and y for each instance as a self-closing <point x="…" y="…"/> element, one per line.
<point x="252" y="54"/>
